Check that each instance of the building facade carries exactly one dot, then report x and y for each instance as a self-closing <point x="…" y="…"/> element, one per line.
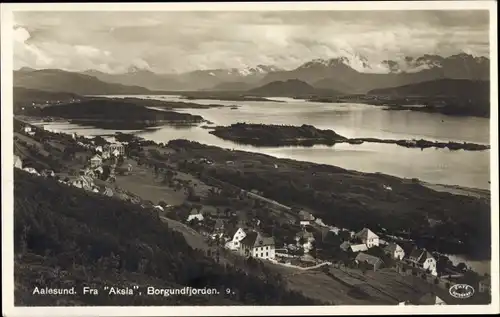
<point x="368" y="237"/>
<point x="257" y="246"/>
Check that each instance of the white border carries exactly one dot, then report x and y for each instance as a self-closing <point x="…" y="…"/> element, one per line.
<point x="7" y="156"/>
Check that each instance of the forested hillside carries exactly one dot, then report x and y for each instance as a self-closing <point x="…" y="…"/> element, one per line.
<point x="67" y="237"/>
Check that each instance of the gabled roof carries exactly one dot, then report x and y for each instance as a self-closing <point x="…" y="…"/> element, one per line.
<point x="232" y="230"/>
<point x="425" y="255"/>
<point x="429" y="299"/>
<point x="366" y="234"/>
<point x="358" y="247"/>
<point x="416" y="253"/>
<point x="392" y="247"/>
<point x="304" y="215"/>
<point x="255" y="239"/>
<point x="96" y="157"/>
<point x="305" y="234"/>
<point x="195" y="211"/>
<point x="363" y="257"/>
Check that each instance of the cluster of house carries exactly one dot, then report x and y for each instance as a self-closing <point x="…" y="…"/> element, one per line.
<point x="366" y="239"/>
<point x="28" y="130"/>
<point x="251" y="243"/>
<point x="106" y="152"/>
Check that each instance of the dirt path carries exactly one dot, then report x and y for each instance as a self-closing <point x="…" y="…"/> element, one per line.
<point x="458" y="190"/>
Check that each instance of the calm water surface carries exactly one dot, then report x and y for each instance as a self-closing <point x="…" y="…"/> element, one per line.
<point x="464" y="168"/>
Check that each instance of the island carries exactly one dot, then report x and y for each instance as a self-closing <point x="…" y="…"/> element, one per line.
<point x="229" y="96"/>
<point x="307" y="135"/>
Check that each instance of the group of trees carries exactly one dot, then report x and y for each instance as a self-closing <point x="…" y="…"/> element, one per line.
<point x="349" y="201"/>
<point x="94" y="238"/>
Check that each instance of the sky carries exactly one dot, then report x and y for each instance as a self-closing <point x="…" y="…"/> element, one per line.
<point x="173" y="42"/>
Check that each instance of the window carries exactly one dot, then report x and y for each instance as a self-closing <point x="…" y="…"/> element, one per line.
<point x="267" y="254"/>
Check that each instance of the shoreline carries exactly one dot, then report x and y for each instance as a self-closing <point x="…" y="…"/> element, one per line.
<point x="268" y="135"/>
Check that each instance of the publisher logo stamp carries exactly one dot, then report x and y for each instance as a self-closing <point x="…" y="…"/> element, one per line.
<point x="461" y="291"/>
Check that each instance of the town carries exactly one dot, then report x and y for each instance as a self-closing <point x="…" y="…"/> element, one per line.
<point x="235" y="222"/>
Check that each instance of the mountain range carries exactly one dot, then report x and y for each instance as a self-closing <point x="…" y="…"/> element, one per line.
<point x="343" y="74"/>
<point x="56" y="80"/>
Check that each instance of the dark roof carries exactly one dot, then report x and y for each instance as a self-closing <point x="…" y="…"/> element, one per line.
<point x="427" y="299"/>
<point x="363" y="257"/>
<point x="255" y="239"/>
<point x="219" y="224"/>
<point x="365" y="233"/>
<point x="416" y="253"/>
<point x="391" y="247"/>
<point x="425" y="255"/>
<point x="305" y="234"/>
<point x="304" y="215"/>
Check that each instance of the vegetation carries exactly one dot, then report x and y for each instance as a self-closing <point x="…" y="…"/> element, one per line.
<point x="447" y="96"/>
<point x="276" y="135"/>
<point x="114" y="113"/>
<point x="355" y="200"/>
<point x="25" y="98"/>
<point x="67" y="237"/>
<point x="307" y="135"/>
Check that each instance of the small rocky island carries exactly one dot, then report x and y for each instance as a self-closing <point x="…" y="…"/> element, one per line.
<point x="277" y="135"/>
<point x="307" y="135"/>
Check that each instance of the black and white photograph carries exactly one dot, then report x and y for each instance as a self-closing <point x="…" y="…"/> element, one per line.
<point x="249" y="158"/>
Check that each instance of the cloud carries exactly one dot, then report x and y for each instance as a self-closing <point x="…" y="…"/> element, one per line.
<point x="185" y="41"/>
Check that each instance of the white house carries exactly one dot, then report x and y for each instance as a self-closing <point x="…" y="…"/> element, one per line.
<point x="335" y="229"/>
<point x="105" y="155"/>
<point x="159" y="207"/>
<point x="236" y="237"/>
<point x="96" y="161"/>
<point x="422" y="259"/>
<point x="395" y="251"/>
<point x="18" y="163"/>
<point x="98" y="149"/>
<point x="48" y="173"/>
<point x="115" y="146"/>
<point x="307" y="239"/>
<point x="108" y="192"/>
<point x="31" y="133"/>
<point x="31" y="170"/>
<point x="257" y="246"/>
<point x="195" y="214"/>
<point x="485" y="285"/>
<point x="354" y="248"/>
<point x="368" y="237"/>
<point x="27" y="129"/>
<point x="305" y="218"/>
<point x="320" y="222"/>
<point x="99" y="170"/>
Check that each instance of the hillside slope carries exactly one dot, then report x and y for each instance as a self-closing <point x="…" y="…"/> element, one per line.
<point x="289" y="88"/>
<point x="65" y="237"/>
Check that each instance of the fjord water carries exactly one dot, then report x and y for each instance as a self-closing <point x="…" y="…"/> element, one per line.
<point x="441" y="166"/>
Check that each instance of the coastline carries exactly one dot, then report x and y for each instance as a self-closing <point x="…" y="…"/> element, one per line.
<point x="307" y="136"/>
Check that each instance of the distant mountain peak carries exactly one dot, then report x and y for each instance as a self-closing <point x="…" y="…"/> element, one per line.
<point x="26" y="69"/>
<point x="134" y="69"/>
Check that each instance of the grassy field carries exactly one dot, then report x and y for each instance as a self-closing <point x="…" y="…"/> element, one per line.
<point x="142" y="182"/>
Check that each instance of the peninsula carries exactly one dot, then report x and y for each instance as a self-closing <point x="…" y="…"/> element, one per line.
<point x="307" y="135"/>
<point x="114" y="114"/>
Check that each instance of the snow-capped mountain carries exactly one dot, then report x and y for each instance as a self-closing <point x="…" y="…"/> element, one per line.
<point x="352" y="73"/>
<point x="194" y="80"/>
<point x="361" y="75"/>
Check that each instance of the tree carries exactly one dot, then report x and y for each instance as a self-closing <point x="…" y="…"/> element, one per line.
<point x="462" y="267"/>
